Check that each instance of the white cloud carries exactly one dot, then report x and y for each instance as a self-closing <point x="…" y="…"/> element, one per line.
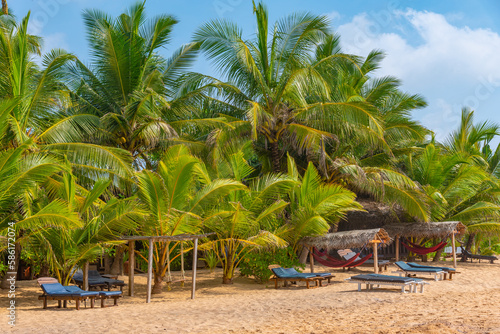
<point x="451" y="66"/>
<point x="333" y="16"/>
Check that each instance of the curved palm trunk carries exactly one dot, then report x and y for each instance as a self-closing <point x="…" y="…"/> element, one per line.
<point x="227" y="276"/>
<point x="158" y="284"/>
<point x="468" y="246"/>
<point x="5" y="7"/>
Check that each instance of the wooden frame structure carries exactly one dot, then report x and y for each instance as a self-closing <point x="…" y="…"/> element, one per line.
<point x="349" y="239"/>
<point x="164" y="238"/>
<point x="427" y="230"/>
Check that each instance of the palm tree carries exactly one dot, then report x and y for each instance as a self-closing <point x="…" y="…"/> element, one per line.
<point x="100" y="223"/>
<point x="177" y="195"/>
<point x="271" y="77"/>
<point x="315" y="206"/>
<point x="247" y="219"/>
<point x="130" y="97"/>
<point x="5" y="7"/>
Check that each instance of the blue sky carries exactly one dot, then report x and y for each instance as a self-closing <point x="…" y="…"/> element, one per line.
<point x="448" y="51"/>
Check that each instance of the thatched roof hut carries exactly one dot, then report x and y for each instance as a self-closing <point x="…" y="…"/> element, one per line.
<point x="425" y="230"/>
<point x="376" y="215"/>
<point x="348" y="239"/>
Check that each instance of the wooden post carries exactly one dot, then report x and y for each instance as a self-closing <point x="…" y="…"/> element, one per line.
<point x="195" y="264"/>
<point x="182" y="265"/>
<point x="397" y="248"/>
<point x="311" y="259"/>
<point x="131" y="267"/>
<point x="86" y="276"/>
<point x="150" y="269"/>
<point x="375" y="258"/>
<point x="453" y="249"/>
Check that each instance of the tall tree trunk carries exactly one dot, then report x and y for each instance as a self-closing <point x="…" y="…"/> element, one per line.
<point x="5" y="284"/>
<point x="5" y="7"/>
<point x="437" y="257"/>
<point x="468" y="246"/>
<point x="303" y="255"/>
<point x="158" y="284"/>
<point x="275" y="156"/>
<point x="117" y="265"/>
<point x="227" y="276"/>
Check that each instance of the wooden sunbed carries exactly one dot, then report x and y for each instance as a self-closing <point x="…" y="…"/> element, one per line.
<point x="103" y="295"/>
<point x="447" y="271"/>
<point x="55" y="291"/>
<point x="375" y="280"/>
<point x="311" y="278"/>
<point x="406" y="270"/>
<point x="479" y="257"/>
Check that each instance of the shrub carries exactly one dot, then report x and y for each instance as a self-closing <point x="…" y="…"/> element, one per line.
<point x="256" y="263"/>
<point x="210" y="259"/>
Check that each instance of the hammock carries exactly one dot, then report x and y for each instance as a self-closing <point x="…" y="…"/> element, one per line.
<point x="334" y="263"/>
<point x="360" y="261"/>
<point x="424" y="250"/>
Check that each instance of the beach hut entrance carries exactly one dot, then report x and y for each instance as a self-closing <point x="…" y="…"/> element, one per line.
<point x="347" y="239"/>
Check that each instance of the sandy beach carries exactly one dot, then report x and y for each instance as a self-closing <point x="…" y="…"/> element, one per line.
<point x="468" y="304"/>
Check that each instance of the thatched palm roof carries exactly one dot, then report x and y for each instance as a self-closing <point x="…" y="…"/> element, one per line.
<point x="425" y="230"/>
<point x="347" y="239"/>
<point x="376" y="215"/>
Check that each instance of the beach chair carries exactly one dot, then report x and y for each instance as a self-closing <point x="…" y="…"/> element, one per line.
<point x="111" y="283"/>
<point x="447" y="270"/>
<point x="347" y="254"/>
<point x="281" y="275"/>
<point x="56" y="291"/>
<point x="98" y="281"/>
<point x="324" y="276"/>
<point x="406" y="270"/>
<point x="469" y="255"/>
<point x="103" y="295"/>
<point x="376" y="280"/>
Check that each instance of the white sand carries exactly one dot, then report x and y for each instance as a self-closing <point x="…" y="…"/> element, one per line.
<point x="468" y="304"/>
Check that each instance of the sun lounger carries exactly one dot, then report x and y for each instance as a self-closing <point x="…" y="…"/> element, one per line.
<point x="479" y="257"/>
<point x="327" y="276"/>
<point x="375" y="280"/>
<point x="56" y="291"/>
<point x="405" y="269"/>
<point x="108" y="295"/>
<point x="281" y="275"/>
<point x="447" y="270"/>
<point x="103" y="295"/>
<point x="97" y="281"/>
<point x="95" y="275"/>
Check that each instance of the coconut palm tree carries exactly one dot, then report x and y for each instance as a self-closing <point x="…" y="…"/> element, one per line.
<point x="270" y="79"/>
<point x="130" y="97"/>
<point x="100" y="224"/>
<point x="247" y="219"/>
<point x="177" y="196"/>
<point x="38" y="97"/>
<point x="315" y="206"/>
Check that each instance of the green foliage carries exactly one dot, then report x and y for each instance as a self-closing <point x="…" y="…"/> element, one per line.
<point x="210" y="259"/>
<point x="256" y="263"/>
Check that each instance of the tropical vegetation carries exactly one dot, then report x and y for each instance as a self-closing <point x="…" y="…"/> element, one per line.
<point x="276" y="147"/>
